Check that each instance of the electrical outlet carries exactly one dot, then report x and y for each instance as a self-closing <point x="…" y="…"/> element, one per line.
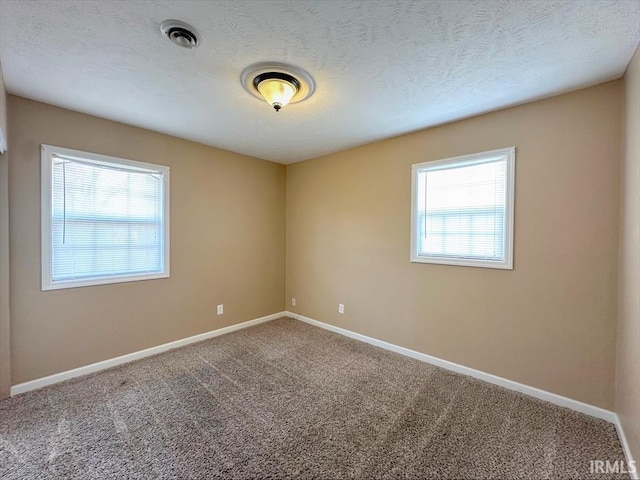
<point x="293" y="301"/>
<point x="220" y="309"/>
<point x="340" y="308"/>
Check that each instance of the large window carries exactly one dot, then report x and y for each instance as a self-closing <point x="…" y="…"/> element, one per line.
<point x="104" y="219"/>
<point x="462" y="210"/>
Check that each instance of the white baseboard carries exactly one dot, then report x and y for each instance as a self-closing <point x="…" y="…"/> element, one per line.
<point x="503" y="382"/>
<point x="113" y="362"/>
<point x="570" y="403"/>
<point x="627" y="451"/>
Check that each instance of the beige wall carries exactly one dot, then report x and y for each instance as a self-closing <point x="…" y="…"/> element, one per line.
<point x="5" y="320"/>
<point x="227" y="246"/>
<point x="5" y="323"/>
<point x="628" y="367"/>
<point x="551" y="322"/>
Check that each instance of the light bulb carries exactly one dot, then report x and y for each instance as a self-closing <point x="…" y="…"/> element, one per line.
<point x="277" y="92"/>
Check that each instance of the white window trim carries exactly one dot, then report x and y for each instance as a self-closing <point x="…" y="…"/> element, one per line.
<point x="509" y="154"/>
<point x="45" y="214"/>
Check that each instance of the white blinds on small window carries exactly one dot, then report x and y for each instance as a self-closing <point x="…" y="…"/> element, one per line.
<point x="106" y="220"/>
<point x="461" y="210"/>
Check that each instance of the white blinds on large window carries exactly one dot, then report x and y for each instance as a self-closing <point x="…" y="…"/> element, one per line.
<point x="107" y="220"/>
<point x="463" y="210"/>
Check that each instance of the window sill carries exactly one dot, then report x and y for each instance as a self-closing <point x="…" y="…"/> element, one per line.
<point x="101" y="281"/>
<point x="503" y="265"/>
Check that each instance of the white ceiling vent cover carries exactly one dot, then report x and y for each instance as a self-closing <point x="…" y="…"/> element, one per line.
<point x="180" y="33"/>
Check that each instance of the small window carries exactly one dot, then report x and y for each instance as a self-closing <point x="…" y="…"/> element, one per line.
<point x="462" y="210"/>
<point x="104" y="219"/>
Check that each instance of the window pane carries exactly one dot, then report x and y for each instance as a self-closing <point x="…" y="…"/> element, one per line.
<point x="106" y="220"/>
<point x="461" y="210"/>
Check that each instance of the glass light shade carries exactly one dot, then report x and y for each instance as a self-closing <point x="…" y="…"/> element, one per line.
<point x="277" y="92"/>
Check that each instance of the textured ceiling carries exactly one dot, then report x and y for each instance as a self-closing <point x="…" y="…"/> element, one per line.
<point x="382" y="68"/>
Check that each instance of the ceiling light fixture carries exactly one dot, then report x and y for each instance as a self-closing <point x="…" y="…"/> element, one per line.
<point x="277" y="84"/>
<point x="180" y="33"/>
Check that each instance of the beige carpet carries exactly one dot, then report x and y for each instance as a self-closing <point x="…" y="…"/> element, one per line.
<point x="287" y="400"/>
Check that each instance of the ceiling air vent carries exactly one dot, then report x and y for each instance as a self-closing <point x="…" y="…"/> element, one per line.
<point x="180" y="33"/>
